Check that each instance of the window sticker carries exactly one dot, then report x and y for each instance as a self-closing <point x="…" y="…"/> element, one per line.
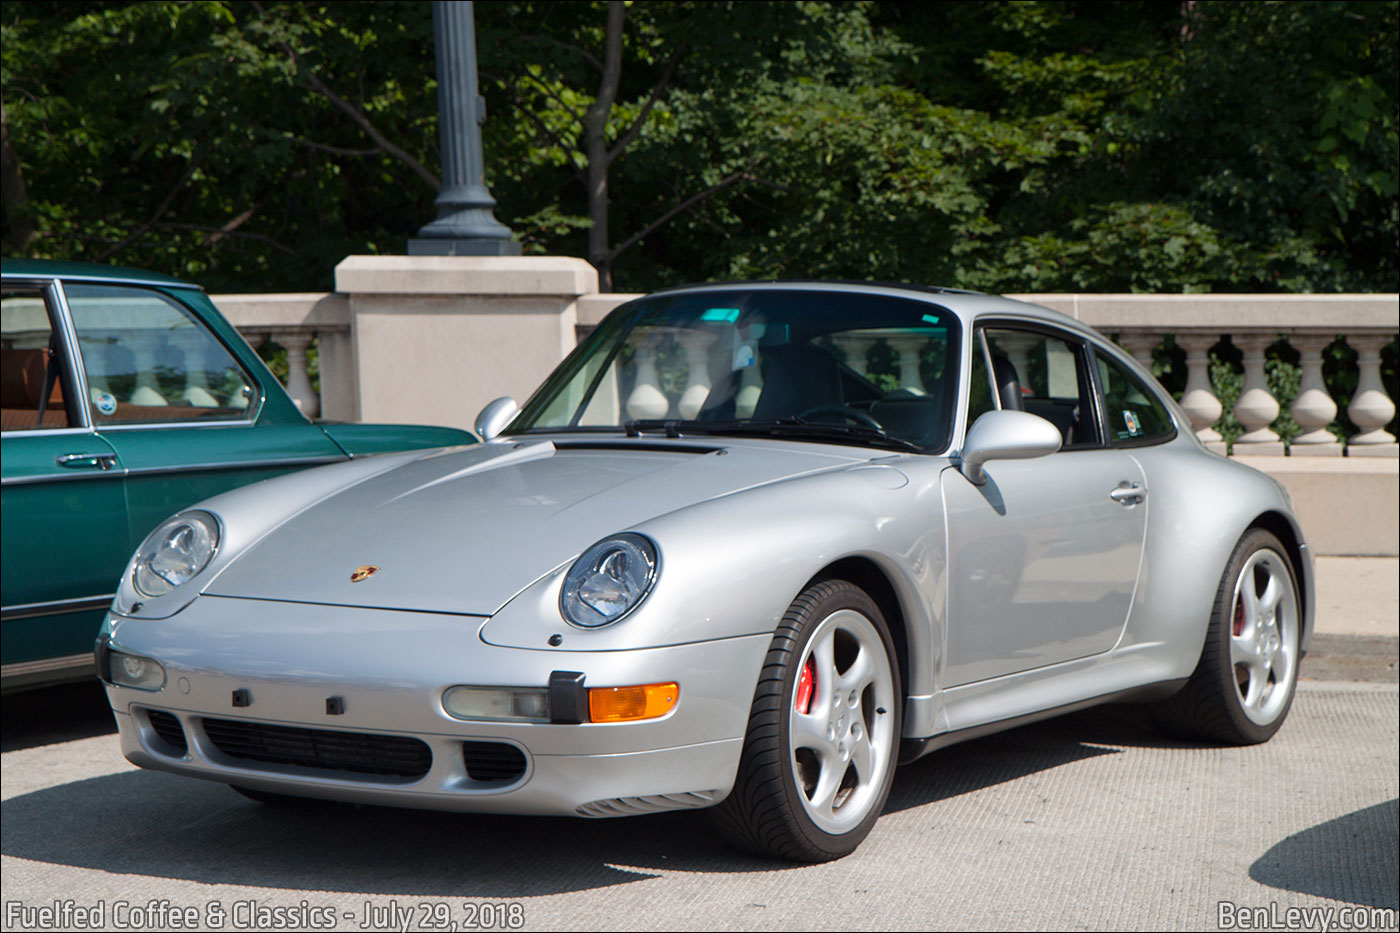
<point x="105" y="402"/>
<point x="1130" y="419"/>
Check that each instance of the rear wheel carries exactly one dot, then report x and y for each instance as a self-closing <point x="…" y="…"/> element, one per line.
<point x="1243" y="686"/>
<point x="823" y="735"/>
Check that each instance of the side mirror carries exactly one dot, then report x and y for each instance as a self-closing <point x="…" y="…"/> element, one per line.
<point x="1006" y="435"/>
<point x="495" y="416"/>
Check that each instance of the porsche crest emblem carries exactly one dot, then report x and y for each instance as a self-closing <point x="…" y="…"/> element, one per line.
<point x="363" y="573"/>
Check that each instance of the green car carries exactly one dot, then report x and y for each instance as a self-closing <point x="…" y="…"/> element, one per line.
<point x="127" y="396"/>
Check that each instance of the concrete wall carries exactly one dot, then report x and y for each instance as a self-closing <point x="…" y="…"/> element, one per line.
<point x="435" y="338"/>
<point x="1348" y="507"/>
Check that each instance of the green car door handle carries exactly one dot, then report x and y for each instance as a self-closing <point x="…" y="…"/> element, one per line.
<point x="101" y="461"/>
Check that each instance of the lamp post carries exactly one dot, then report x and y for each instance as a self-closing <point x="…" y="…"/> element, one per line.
<point x="465" y="225"/>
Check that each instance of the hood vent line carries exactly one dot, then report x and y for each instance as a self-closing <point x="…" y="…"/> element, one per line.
<point x="660" y="447"/>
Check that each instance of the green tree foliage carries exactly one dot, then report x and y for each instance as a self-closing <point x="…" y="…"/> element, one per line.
<point x="224" y="142"/>
<point x="1006" y="146"/>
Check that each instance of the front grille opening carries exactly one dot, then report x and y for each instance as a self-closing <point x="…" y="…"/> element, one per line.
<point x="168" y="728"/>
<point x="493" y="761"/>
<point x="324" y="749"/>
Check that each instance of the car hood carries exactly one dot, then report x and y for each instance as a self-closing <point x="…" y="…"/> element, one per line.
<point x="465" y="530"/>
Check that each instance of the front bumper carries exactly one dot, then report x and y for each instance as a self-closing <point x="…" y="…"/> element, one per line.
<point x="273" y="665"/>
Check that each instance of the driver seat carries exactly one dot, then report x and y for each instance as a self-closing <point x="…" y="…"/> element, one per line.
<point x="797" y="377"/>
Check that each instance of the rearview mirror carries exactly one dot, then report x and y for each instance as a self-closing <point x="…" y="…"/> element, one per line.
<point x="1006" y="435"/>
<point x="495" y="416"/>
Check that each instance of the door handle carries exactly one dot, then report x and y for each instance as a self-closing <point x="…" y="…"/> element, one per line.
<point x="1128" y="494"/>
<point x="99" y="461"/>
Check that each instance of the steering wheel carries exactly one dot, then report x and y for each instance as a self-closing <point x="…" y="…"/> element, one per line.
<point x="841" y="411"/>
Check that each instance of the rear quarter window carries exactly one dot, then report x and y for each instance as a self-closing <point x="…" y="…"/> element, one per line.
<point x="1133" y="411"/>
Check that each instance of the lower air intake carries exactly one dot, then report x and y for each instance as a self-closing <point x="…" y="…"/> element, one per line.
<point x="168" y="728"/>
<point x="493" y="761"/>
<point x="323" y="749"/>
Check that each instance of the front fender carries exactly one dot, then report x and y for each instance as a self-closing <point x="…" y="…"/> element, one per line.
<point x="731" y="566"/>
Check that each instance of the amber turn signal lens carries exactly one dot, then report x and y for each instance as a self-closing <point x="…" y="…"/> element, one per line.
<point x="624" y="704"/>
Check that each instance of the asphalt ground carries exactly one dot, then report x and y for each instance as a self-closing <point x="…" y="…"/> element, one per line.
<point x="1089" y="821"/>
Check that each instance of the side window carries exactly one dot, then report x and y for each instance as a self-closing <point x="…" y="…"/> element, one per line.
<point x="1134" y="413"/>
<point x="31" y="383"/>
<point x="1046" y="376"/>
<point x="148" y="359"/>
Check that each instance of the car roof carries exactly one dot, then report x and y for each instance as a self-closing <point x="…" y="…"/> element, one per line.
<point x="55" y="268"/>
<point x="967" y="305"/>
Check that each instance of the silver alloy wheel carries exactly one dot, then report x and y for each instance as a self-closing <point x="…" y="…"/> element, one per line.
<point x="842" y="731"/>
<point x="1264" y="636"/>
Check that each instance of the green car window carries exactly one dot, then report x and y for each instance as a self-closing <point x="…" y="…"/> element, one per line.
<point x="148" y="359"/>
<point x="32" y="385"/>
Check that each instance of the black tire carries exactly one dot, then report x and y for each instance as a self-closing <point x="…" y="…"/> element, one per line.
<point x="812" y="797"/>
<point x="1243" y="685"/>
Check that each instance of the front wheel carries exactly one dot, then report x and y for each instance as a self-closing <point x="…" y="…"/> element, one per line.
<point x="823" y="735"/>
<point x="1243" y="686"/>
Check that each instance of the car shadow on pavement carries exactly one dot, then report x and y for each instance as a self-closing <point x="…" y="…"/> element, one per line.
<point x="153" y="824"/>
<point x="1016" y="753"/>
<point x="1351" y="858"/>
<point x="55" y="714"/>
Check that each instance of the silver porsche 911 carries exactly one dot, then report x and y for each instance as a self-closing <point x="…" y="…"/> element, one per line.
<point x="747" y="548"/>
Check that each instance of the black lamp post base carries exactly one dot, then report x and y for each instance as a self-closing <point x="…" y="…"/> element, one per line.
<point x="453" y="246"/>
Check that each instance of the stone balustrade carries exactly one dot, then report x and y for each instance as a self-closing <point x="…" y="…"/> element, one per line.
<point x="1252" y="323"/>
<point x="1140" y="323"/>
<point x="294" y="322"/>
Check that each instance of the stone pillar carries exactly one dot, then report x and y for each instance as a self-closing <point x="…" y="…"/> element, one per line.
<point x="299" y="385"/>
<point x="1140" y="344"/>
<point x="1371" y="409"/>
<point x="435" y="338"/>
<point x="1198" y="399"/>
<point x="908" y="348"/>
<point x="855" y="349"/>
<point x="1314" y="408"/>
<point x="697" y="357"/>
<point x="646" y="400"/>
<point x="1256" y="408"/>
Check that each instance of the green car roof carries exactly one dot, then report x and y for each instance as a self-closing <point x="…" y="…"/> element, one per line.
<point x="88" y="270"/>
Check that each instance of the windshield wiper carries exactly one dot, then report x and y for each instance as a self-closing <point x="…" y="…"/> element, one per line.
<point x="777" y="427"/>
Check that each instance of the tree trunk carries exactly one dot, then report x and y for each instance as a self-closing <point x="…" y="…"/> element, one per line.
<point x="595" y="126"/>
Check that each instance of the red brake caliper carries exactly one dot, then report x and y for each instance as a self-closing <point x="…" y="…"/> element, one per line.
<point x="1238" y="626"/>
<point x="806" y="683"/>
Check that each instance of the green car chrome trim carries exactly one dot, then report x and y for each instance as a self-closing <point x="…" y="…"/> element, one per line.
<point x="55" y="607"/>
<point x="240" y="465"/>
<point x="75" y="666"/>
<point x="65" y="478"/>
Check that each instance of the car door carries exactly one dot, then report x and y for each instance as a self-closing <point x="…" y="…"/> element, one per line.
<point x="1043" y="558"/>
<point x="65" y="532"/>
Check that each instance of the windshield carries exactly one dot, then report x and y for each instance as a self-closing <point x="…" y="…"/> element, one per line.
<point x="826" y="365"/>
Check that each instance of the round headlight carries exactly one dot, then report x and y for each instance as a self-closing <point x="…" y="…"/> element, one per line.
<point x="608" y="581"/>
<point x="172" y="554"/>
